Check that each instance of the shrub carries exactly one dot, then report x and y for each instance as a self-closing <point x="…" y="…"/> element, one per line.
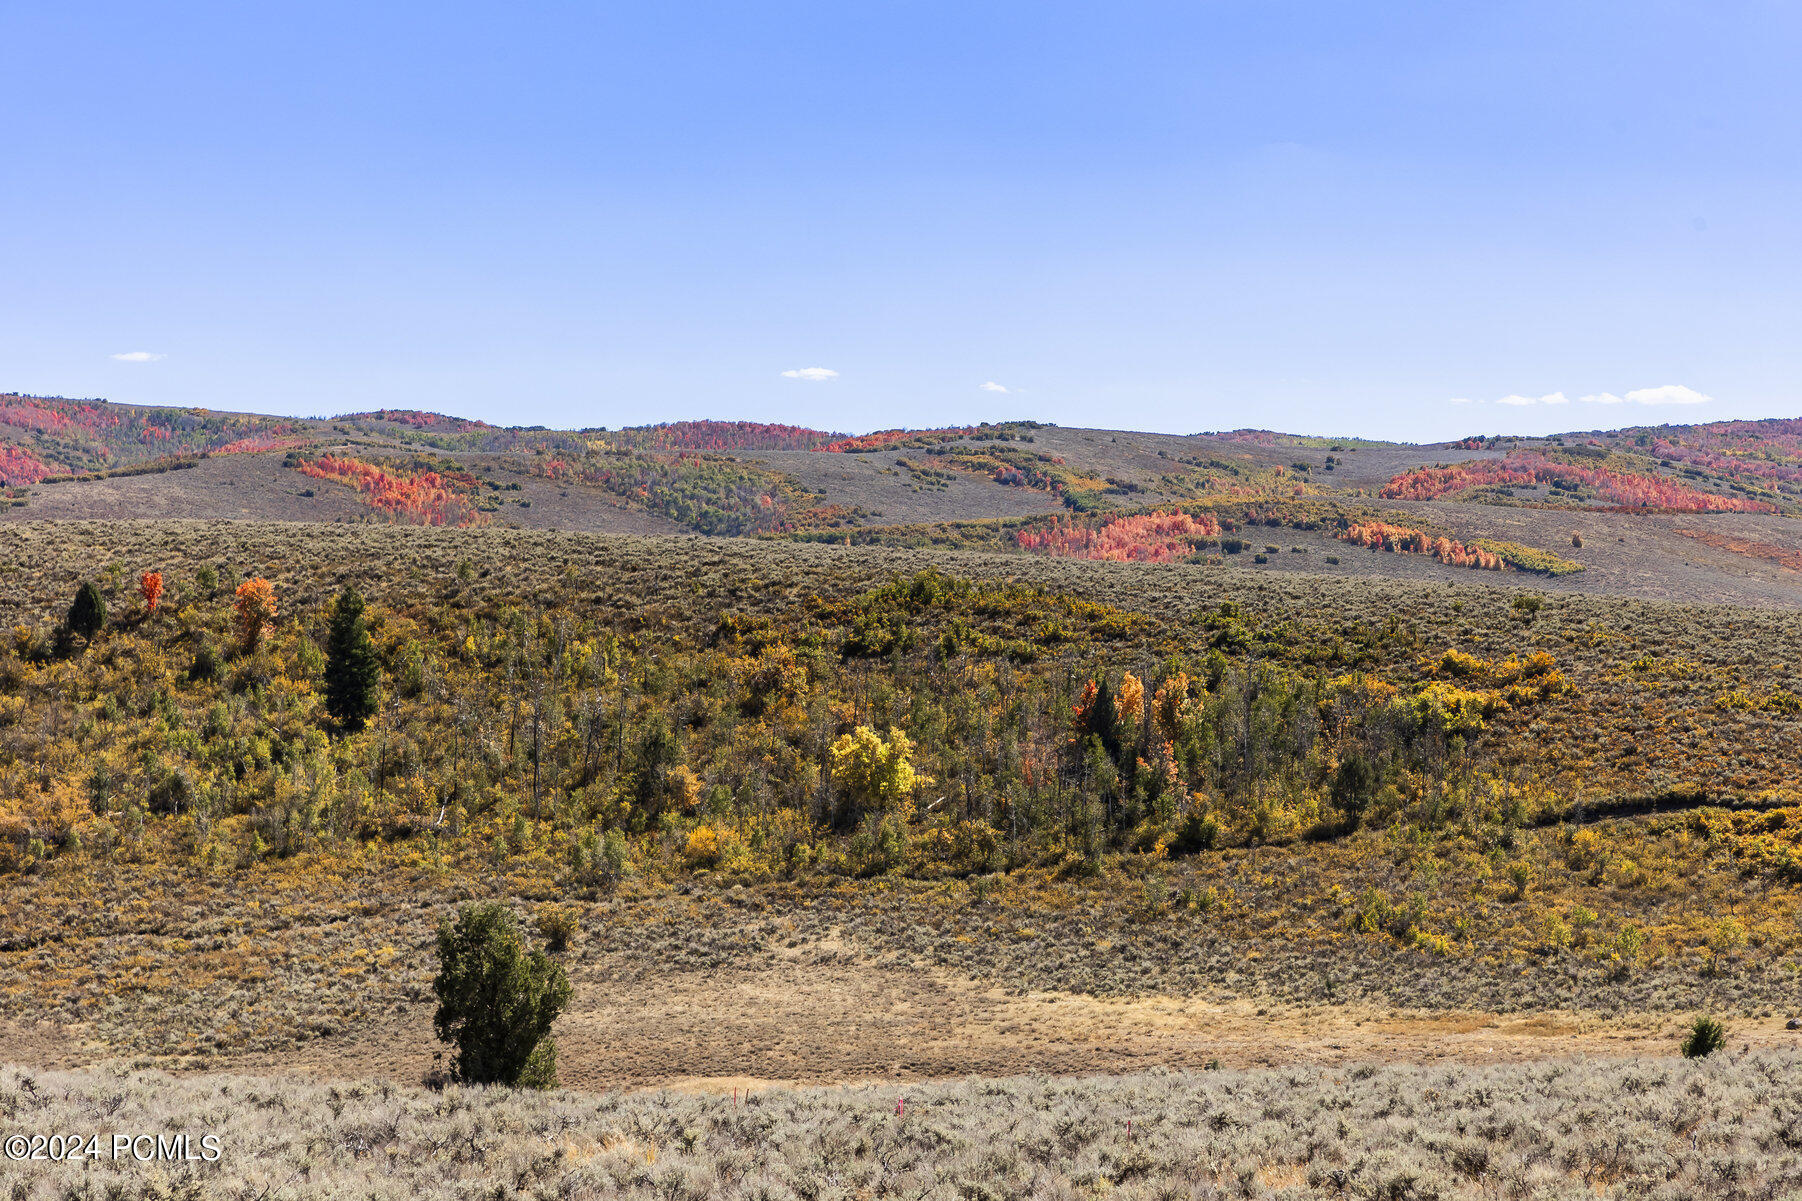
<point x="87" y="612"/>
<point x="150" y="587"/>
<point x="1705" y="1037"/>
<point x="353" y="674"/>
<point x="598" y="861"/>
<point x="205" y="665"/>
<point x="1527" y="558"/>
<point x="703" y="848"/>
<point x="497" y="1000"/>
<point x="557" y="924"/>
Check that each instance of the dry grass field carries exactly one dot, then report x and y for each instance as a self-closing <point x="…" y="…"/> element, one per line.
<point x="1726" y="1127"/>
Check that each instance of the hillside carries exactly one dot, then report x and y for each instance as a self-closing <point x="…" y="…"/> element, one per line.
<point x="1673" y="512"/>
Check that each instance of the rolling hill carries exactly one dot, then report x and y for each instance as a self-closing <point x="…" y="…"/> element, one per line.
<point x="1697" y="512"/>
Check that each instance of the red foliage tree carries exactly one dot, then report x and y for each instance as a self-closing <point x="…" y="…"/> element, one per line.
<point x="150" y="587"/>
<point x="19" y="467"/>
<point x="1399" y="539"/>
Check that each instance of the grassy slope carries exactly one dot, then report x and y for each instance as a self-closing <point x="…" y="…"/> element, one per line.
<point x="335" y="940"/>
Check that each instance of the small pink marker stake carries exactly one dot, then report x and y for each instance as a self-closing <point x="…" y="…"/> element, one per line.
<point x="900" y="1106"/>
<point x="1129" y="1129"/>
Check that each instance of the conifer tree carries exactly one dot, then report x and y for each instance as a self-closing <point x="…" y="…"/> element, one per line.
<point x="87" y="614"/>
<point x="352" y="672"/>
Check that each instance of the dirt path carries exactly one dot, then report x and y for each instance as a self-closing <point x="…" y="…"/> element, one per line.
<point x="805" y="1025"/>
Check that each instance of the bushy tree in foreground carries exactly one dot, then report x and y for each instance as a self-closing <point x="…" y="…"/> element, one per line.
<point x="87" y="613"/>
<point x="497" y="1000"/>
<point x="352" y="673"/>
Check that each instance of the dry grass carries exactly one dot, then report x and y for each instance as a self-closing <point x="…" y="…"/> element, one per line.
<point x="1727" y="1127"/>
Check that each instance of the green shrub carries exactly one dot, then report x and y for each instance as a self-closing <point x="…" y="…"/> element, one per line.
<point x="205" y="665"/>
<point x="1704" y="1038"/>
<point x="1529" y="558"/>
<point x="87" y="613"/>
<point x="497" y="1000"/>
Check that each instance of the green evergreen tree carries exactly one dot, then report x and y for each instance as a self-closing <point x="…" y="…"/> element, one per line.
<point x="496" y="1000"/>
<point x="87" y="614"/>
<point x="352" y="673"/>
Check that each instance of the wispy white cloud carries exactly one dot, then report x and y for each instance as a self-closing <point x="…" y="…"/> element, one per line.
<point x="818" y="375"/>
<point x="136" y="356"/>
<point x="992" y="386"/>
<point x="1669" y="394"/>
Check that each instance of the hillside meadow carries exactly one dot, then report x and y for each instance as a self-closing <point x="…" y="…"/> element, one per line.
<point x="687" y="756"/>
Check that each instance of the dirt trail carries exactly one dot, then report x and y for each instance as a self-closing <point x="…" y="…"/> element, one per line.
<point x="805" y="1025"/>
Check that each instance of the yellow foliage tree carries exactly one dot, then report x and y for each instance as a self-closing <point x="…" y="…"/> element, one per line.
<point x="872" y="773"/>
<point x="1129" y="703"/>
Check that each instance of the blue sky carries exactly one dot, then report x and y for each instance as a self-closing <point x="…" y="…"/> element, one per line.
<point x="1329" y="217"/>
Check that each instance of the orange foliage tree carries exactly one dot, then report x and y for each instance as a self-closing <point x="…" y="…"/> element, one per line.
<point x="253" y="611"/>
<point x="150" y="587"/>
<point x="1399" y="539"/>
<point x="1139" y="538"/>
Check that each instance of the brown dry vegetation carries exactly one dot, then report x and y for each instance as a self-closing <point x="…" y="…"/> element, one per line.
<point x="1722" y="1127"/>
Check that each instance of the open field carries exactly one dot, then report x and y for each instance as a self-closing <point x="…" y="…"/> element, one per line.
<point x="1726" y="1127"/>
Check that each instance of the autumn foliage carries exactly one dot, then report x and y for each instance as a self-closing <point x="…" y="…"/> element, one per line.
<point x="1140" y="538"/>
<point x="150" y="587"/>
<point x="883" y="439"/>
<point x="18" y="467"/>
<point x="1623" y="488"/>
<point x="1399" y="539"/>
<point x="418" y="419"/>
<point x="253" y="611"/>
<point x="418" y="498"/>
<point x="1751" y="548"/>
<point x="258" y="443"/>
<point x="88" y="435"/>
